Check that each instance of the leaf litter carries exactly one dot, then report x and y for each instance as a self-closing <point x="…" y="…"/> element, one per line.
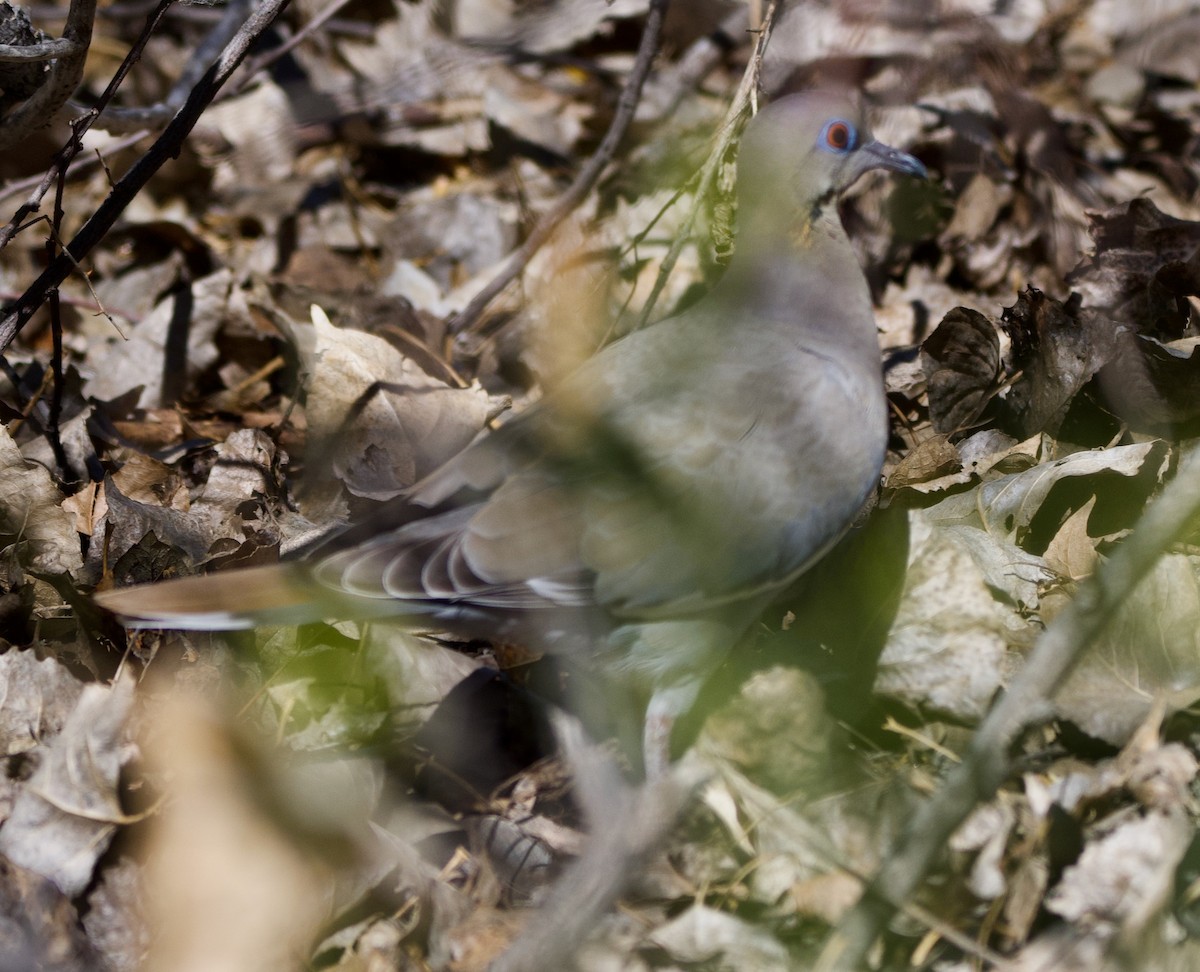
<point x="1038" y="306"/>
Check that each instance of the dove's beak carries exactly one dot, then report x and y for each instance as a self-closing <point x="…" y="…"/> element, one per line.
<point x="876" y="155"/>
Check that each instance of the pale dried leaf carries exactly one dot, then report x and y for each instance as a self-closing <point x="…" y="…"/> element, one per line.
<point x="1006" y="506"/>
<point x="1126" y="876"/>
<point x="475" y="943"/>
<point x="131" y="521"/>
<point x="776" y="731"/>
<point x="414" y="671"/>
<point x="36" y="698"/>
<point x="977" y="208"/>
<point x="30" y="511"/>
<point x="115" y="919"/>
<point x="242" y="473"/>
<point x="226" y="886"/>
<point x="1149" y="653"/>
<point x="793" y="844"/>
<point x="1116" y="20"/>
<point x="533" y="112"/>
<point x="39" y="926"/>
<point x="384" y="422"/>
<point x="407" y="60"/>
<point x="1006" y="568"/>
<point x="703" y="934"/>
<point x="976" y="456"/>
<point x="986" y="832"/>
<point x="1026" y="889"/>
<point x="550" y="27"/>
<point x="146" y="480"/>
<point x="449" y="236"/>
<point x="1072" y="552"/>
<point x="76" y="441"/>
<point x="1161" y="779"/>
<point x="946" y="649"/>
<point x="260" y="130"/>
<point x="826" y="897"/>
<point x="933" y="460"/>
<point x="66" y="814"/>
<point x="88" y="506"/>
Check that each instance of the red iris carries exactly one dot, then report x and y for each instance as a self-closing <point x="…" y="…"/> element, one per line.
<point x="838" y="136"/>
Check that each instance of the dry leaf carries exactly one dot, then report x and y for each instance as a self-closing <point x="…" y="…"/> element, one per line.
<point x="32" y="514"/>
<point x="36" y="698"/>
<point x="946" y="649"/>
<point x="1125" y="877"/>
<point x="1150" y="653"/>
<point x="66" y="814"/>
<point x="382" y="421"/>
<point x="703" y="934"/>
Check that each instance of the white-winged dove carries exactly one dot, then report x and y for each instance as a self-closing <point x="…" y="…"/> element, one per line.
<point x="651" y="507"/>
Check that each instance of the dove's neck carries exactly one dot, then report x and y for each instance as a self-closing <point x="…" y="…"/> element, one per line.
<point x="764" y="224"/>
<point x="803" y="272"/>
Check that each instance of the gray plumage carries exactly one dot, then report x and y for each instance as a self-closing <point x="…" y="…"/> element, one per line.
<point x="650" y="508"/>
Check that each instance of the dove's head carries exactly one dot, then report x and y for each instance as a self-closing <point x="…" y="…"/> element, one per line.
<point x="802" y="150"/>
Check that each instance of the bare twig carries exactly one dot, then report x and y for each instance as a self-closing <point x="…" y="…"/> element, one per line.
<point x="35" y="402"/>
<point x="166" y="147"/>
<point x="46" y="50"/>
<point x="57" y="253"/>
<point x="89" y="305"/>
<point x="468" y="318"/>
<point x="63" y="78"/>
<point x="1027" y="701"/>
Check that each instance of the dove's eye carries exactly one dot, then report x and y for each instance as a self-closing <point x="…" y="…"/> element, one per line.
<point x="838" y="136"/>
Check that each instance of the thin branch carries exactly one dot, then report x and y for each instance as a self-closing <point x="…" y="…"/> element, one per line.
<point x="88" y="305"/>
<point x="165" y="147"/>
<point x="1028" y="701"/>
<point x="46" y="50"/>
<point x="627" y="104"/>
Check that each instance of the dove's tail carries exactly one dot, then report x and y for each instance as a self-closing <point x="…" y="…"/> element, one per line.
<point x="237" y="599"/>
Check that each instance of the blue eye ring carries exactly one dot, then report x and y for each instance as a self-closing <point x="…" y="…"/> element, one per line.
<point x="838" y="136"/>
